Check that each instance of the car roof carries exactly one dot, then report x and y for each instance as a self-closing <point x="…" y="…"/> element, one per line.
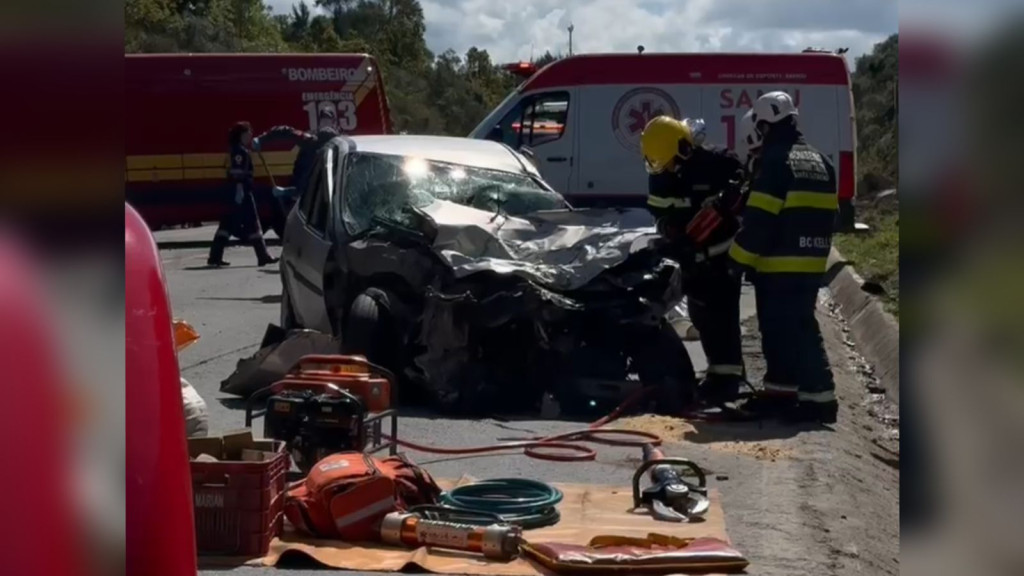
<point x="466" y="151"/>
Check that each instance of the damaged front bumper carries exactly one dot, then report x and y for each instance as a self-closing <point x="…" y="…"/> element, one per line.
<point x="501" y="342"/>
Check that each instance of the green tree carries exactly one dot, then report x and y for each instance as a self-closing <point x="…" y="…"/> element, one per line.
<point x="446" y="94"/>
<point x="876" y="97"/>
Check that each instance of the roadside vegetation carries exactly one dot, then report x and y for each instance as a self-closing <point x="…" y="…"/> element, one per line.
<point x="875" y="253"/>
<point x="445" y="93"/>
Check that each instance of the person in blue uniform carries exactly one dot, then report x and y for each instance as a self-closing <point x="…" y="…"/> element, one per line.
<point x="242" y="218"/>
<point x="693" y="195"/>
<point x="782" y="246"/>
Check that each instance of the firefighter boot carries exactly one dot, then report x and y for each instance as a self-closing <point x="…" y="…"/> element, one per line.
<point x="220" y="242"/>
<point x="263" y="256"/>
<point x="770" y="401"/>
<point x="717" y="389"/>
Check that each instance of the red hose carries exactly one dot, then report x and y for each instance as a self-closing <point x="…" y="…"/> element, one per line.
<point x="548" y="448"/>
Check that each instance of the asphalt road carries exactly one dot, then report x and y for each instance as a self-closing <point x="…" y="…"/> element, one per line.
<point x="797" y="500"/>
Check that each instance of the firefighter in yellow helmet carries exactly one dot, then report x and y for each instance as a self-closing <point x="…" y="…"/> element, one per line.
<point x="693" y="194"/>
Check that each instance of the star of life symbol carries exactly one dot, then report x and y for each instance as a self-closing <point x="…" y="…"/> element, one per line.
<point x="635" y="109"/>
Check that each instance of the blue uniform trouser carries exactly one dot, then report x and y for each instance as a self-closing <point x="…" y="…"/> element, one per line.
<point x="791" y="340"/>
<point x="713" y="300"/>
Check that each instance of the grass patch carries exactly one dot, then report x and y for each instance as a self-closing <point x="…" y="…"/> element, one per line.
<point x="876" y="254"/>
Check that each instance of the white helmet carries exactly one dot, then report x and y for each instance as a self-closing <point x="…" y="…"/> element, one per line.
<point x="749" y="138"/>
<point x="772" y="107"/>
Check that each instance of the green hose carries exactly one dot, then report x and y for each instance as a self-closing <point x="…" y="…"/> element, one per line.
<point x="525" y="503"/>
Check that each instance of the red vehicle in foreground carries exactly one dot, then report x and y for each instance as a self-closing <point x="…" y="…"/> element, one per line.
<point x="159" y="524"/>
<point x="180" y="107"/>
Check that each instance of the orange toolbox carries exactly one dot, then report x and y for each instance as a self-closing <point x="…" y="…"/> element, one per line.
<point x="369" y="383"/>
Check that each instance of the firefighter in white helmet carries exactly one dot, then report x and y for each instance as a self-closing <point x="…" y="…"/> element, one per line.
<point x="693" y="186"/>
<point x="783" y="245"/>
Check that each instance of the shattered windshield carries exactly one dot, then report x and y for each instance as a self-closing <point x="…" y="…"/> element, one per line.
<point x="390" y="188"/>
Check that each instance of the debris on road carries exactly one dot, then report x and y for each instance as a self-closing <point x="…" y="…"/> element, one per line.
<point x="758" y="450"/>
<point x="279" y="351"/>
<point x="196" y="415"/>
<point x="667" y="428"/>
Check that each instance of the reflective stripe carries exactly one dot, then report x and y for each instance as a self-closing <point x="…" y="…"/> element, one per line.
<point x="778" y="264"/>
<point x="368" y="511"/>
<point x="826" y="396"/>
<point x="662" y="202"/>
<point x="743" y="256"/>
<point x="713" y="251"/>
<point x="796" y="264"/>
<point x="726" y="369"/>
<point x="766" y="202"/>
<point x="720" y="248"/>
<point x="821" y="200"/>
<point x="773" y="387"/>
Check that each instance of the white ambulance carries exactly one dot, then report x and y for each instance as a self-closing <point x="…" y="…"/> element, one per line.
<point x="582" y="116"/>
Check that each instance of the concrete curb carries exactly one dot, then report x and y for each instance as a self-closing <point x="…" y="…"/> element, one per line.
<point x="875" y="331"/>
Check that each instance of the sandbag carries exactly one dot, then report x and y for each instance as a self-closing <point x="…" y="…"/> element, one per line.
<point x="197" y="419"/>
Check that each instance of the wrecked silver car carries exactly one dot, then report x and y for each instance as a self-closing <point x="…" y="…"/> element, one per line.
<point x="452" y="263"/>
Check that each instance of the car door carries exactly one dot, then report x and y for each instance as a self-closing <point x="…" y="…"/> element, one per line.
<point x="307" y="245"/>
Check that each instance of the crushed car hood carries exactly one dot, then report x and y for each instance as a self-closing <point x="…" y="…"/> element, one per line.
<point x="560" y="249"/>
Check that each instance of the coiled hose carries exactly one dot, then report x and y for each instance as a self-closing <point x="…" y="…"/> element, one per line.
<point x="520" y="501"/>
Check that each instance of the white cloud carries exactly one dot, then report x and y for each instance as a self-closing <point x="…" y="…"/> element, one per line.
<point x="512" y="31"/>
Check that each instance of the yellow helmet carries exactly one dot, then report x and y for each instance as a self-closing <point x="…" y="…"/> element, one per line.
<point x="660" y="142"/>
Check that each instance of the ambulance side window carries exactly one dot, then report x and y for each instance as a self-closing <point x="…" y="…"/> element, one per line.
<point x="536" y="120"/>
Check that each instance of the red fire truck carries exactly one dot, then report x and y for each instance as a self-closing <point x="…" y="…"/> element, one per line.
<point x="180" y="107"/>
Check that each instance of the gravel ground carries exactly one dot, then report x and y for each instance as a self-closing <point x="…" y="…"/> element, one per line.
<point x="798" y="500"/>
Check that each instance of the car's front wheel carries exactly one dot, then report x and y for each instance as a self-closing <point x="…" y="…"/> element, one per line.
<point x="288" y="321"/>
<point x="369" y="330"/>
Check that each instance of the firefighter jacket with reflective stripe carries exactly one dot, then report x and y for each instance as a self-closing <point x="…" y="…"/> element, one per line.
<point x="790" y="214"/>
<point x="675" y="197"/>
<point x="240" y="172"/>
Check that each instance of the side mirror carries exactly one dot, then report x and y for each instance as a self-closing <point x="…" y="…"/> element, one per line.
<point x="495" y="134"/>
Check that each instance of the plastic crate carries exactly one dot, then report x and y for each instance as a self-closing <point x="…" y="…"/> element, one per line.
<point x="239" y="506"/>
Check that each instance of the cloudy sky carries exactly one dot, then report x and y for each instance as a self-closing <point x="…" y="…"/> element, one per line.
<point x="515" y="29"/>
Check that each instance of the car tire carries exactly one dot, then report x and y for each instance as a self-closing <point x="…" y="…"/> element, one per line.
<point x="288" y="321"/>
<point x="363" y="331"/>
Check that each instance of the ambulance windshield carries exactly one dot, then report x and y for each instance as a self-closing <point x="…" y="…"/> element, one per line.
<point x="494" y="118"/>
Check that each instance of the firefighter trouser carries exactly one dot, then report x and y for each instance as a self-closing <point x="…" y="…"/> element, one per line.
<point x="794" y="350"/>
<point x="244" y="222"/>
<point x="713" y="299"/>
